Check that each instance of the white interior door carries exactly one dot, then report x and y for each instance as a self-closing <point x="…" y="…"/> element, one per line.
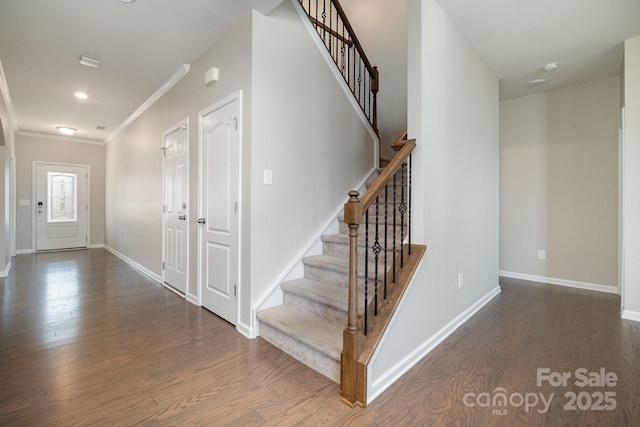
<point x="219" y="188"/>
<point x="176" y="179"/>
<point x="61" y="206"/>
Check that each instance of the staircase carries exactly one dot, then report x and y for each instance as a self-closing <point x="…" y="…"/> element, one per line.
<point x="310" y="323"/>
<point x="333" y="318"/>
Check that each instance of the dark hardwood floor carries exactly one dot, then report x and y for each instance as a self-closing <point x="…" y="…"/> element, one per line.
<point x="87" y="340"/>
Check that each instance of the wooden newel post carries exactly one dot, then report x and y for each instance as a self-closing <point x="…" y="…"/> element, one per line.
<point x="352" y="341"/>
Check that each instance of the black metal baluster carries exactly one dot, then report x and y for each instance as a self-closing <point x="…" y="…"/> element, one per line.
<point x="366" y="272"/>
<point x="376" y="252"/>
<point x="409" y="217"/>
<point x="386" y="234"/>
<point x="324" y="21"/>
<point x="395" y="201"/>
<point x="402" y="209"/>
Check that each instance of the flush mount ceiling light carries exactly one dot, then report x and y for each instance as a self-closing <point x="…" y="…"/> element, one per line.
<point x="65" y="130"/>
<point x="81" y="95"/>
<point x="550" y="67"/>
<point x="127" y="1"/>
<point x="90" y="62"/>
<point x="537" y="82"/>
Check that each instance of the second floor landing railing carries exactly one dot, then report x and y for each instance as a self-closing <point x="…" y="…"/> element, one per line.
<point x="338" y="36"/>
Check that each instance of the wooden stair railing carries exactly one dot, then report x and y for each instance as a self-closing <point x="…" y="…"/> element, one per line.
<point x="338" y="36"/>
<point x="368" y="317"/>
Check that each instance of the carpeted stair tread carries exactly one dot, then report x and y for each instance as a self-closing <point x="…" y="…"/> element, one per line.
<point x="326" y="294"/>
<point x="322" y="336"/>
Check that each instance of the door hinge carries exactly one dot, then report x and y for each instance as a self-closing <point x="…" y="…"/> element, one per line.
<point x="236" y="207"/>
<point x="163" y="265"/>
<point x="164" y="208"/>
<point x="235" y="290"/>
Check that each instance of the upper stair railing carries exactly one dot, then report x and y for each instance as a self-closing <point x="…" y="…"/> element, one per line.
<point x="388" y="259"/>
<point x="336" y="32"/>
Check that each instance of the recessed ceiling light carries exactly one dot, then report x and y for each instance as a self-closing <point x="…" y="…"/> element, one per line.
<point x="81" y="95"/>
<point x="127" y="1"/>
<point x="537" y="82"/>
<point x="550" y="67"/>
<point x="90" y="62"/>
<point x="65" y="130"/>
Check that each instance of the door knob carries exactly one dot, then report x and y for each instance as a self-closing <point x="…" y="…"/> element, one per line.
<point x="201" y="220"/>
<point x="182" y="217"/>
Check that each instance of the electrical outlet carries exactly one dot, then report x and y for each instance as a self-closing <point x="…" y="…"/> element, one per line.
<point x="460" y="280"/>
<point x="542" y="254"/>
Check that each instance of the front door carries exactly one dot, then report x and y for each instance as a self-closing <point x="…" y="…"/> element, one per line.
<point x="61" y="206"/>
<point x="219" y="184"/>
<point x="176" y="178"/>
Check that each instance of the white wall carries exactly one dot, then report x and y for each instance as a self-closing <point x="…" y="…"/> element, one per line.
<point x="7" y="199"/>
<point x="31" y="148"/>
<point x="296" y="122"/>
<point x="559" y="183"/>
<point x="307" y="132"/>
<point x="381" y="28"/>
<point x="631" y="179"/>
<point x="453" y="114"/>
<point x="134" y="157"/>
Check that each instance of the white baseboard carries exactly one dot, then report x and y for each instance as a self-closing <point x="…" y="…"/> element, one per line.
<point x="245" y="330"/>
<point x="561" y="282"/>
<point x="193" y="299"/>
<point x="24" y="251"/>
<point x="631" y="315"/>
<point x="134" y="264"/>
<point x="97" y="246"/>
<point x="5" y="272"/>
<point x="384" y="381"/>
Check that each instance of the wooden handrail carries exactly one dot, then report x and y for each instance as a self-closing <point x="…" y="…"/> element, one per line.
<point x="358" y="66"/>
<point x="352" y="33"/>
<point x="376" y="188"/>
<point x="330" y="31"/>
<point x="357" y="346"/>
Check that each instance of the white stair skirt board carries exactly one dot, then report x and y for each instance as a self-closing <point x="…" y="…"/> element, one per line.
<point x="134" y="264"/>
<point x="376" y="386"/>
<point x="309" y="320"/>
<point x="560" y="282"/>
<point x="631" y="315"/>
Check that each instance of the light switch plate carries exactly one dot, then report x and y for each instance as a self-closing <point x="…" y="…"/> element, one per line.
<point x="268" y="176"/>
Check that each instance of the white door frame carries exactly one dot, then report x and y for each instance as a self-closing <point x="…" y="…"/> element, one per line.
<point x="34" y="197"/>
<point x="237" y="95"/>
<point x="185" y="125"/>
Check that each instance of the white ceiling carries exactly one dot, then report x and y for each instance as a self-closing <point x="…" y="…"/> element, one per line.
<point x="141" y="45"/>
<point x="517" y="38"/>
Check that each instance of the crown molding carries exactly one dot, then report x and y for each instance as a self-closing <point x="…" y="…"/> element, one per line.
<point x="4" y="88"/>
<point x="173" y="80"/>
